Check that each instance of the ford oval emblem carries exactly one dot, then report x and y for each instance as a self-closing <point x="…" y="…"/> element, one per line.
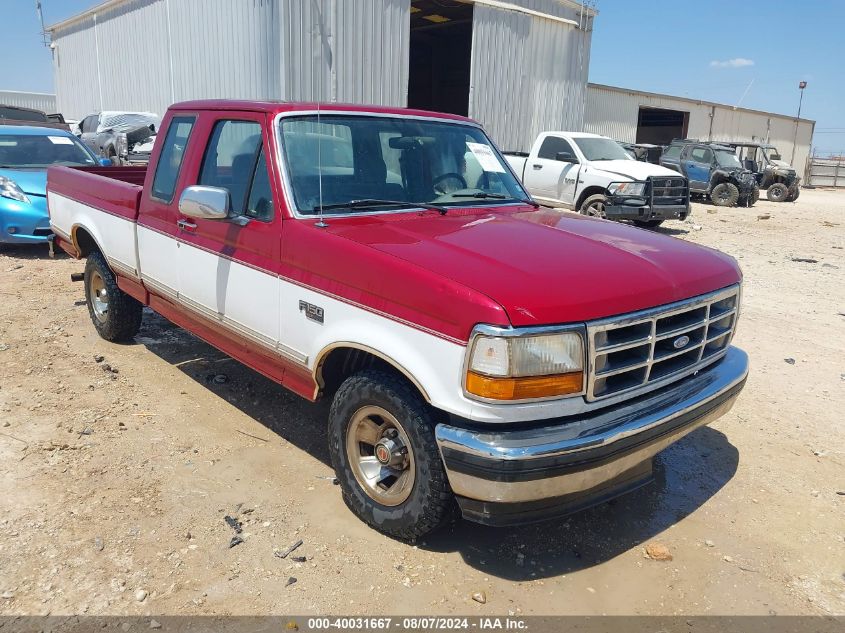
<point x="681" y="342"/>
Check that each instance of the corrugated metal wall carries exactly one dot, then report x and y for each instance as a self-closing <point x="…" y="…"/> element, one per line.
<point x="528" y="73"/>
<point x="146" y="54"/>
<point x="614" y="112"/>
<point x="34" y="100"/>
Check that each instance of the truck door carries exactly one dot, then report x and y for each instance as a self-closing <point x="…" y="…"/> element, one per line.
<point x="227" y="268"/>
<point x="697" y="164"/>
<point x="548" y="176"/>
<point x="158" y="245"/>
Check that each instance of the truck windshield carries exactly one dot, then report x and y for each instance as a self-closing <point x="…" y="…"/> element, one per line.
<point x="601" y="149"/>
<point x="33" y="151"/>
<point x="726" y="158"/>
<point x="349" y="160"/>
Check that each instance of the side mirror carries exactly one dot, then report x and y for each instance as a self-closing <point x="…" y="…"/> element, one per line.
<point x="205" y="203"/>
<point x="105" y="162"/>
<point x="566" y="157"/>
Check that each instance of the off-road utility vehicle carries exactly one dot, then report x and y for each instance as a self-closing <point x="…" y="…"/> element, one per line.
<point x="713" y="170"/>
<point x="776" y="177"/>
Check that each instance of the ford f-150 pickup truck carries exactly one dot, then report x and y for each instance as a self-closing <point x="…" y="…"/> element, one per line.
<point x="595" y="176"/>
<point x="480" y="354"/>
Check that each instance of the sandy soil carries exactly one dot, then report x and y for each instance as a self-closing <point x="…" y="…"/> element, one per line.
<point x="115" y="485"/>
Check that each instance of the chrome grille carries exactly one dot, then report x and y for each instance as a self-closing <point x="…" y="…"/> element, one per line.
<point x="654" y="347"/>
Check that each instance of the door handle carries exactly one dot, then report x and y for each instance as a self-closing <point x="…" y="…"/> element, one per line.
<point x="537" y="166"/>
<point x="186" y="225"/>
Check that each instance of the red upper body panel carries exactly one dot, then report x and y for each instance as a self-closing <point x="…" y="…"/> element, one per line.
<point x="545" y="267"/>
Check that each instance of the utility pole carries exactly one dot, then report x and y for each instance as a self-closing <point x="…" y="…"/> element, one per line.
<point x="801" y="86"/>
<point x="44" y="39"/>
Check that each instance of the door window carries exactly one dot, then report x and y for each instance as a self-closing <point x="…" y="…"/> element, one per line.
<point x="552" y="145"/>
<point x="170" y="159"/>
<point x="702" y="155"/>
<point x="673" y="152"/>
<point x="234" y="160"/>
<point x="89" y="124"/>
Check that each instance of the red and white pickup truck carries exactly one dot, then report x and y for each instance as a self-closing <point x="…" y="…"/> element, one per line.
<point x="520" y="361"/>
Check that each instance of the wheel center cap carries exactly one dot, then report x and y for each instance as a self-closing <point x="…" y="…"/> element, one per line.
<point x="389" y="452"/>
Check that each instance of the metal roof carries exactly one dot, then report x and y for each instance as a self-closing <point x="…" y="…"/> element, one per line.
<point x="110" y="4"/>
<point x="659" y="95"/>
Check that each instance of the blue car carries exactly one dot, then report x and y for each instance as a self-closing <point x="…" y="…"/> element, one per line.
<point x="25" y="154"/>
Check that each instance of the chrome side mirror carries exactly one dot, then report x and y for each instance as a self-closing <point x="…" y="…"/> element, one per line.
<point x="205" y="203"/>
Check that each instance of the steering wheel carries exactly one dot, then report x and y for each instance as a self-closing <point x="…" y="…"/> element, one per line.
<point x="449" y="174"/>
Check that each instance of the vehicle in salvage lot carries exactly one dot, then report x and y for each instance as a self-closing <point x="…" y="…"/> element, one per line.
<point x="122" y="137"/>
<point x="596" y="176"/>
<point x="713" y="170"/>
<point x="522" y="362"/>
<point x="25" y="153"/>
<point x="775" y="176"/>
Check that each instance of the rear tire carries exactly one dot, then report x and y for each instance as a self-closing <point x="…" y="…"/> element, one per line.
<point x="648" y="224"/>
<point x="778" y="192"/>
<point x="405" y="500"/>
<point x="116" y="316"/>
<point x="594" y="206"/>
<point x="725" y="194"/>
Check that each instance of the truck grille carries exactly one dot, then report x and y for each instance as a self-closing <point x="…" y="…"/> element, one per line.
<point x="661" y="345"/>
<point x="669" y="191"/>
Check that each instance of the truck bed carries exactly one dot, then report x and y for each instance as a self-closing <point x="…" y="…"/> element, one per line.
<point x="103" y="197"/>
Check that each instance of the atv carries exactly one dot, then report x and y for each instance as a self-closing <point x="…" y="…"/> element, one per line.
<point x="777" y="177"/>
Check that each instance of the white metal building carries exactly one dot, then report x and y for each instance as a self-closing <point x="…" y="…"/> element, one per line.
<point x="35" y="100"/>
<point x="634" y="116"/>
<point x="518" y="66"/>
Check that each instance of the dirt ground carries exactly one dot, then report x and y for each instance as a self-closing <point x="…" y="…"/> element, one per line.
<point x="115" y="483"/>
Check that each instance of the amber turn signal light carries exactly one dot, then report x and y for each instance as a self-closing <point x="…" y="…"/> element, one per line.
<point x="524" y="388"/>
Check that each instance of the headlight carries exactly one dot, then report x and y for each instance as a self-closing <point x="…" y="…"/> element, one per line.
<point x="627" y="189"/>
<point x="526" y="367"/>
<point x="10" y="189"/>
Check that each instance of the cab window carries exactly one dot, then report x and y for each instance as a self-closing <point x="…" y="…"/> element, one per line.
<point x="674" y="151"/>
<point x="170" y="159"/>
<point x="234" y="160"/>
<point x="552" y="145"/>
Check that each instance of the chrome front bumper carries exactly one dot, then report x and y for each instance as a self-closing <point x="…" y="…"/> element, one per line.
<point x="563" y="465"/>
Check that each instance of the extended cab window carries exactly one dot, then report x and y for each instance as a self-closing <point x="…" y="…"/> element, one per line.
<point x="552" y="145"/>
<point x="170" y="159"/>
<point x="702" y="155"/>
<point x="234" y="160"/>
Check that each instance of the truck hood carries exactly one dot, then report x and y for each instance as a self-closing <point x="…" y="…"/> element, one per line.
<point x="629" y="169"/>
<point x="547" y="267"/>
<point x="32" y="181"/>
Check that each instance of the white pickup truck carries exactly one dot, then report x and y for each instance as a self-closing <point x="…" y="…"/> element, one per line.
<point x="593" y="175"/>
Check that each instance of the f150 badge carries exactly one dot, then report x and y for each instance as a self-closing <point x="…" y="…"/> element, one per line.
<point x="315" y="313"/>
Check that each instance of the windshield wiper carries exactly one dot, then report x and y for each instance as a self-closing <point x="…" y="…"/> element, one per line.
<point x="496" y="196"/>
<point x="369" y="203"/>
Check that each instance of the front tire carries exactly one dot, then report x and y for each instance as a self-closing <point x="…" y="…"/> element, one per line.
<point x="116" y="316"/>
<point x="594" y="206"/>
<point x="725" y="194"/>
<point x="778" y="192"/>
<point x="794" y="192"/>
<point x="751" y="199"/>
<point x="382" y="446"/>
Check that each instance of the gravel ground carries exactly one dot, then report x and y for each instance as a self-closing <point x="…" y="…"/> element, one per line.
<point x="117" y="474"/>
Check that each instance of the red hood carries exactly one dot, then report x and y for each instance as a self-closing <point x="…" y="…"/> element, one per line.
<point x="547" y="267"/>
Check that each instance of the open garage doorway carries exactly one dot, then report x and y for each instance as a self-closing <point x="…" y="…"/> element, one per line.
<point x="440" y="49"/>
<point x="659" y="127"/>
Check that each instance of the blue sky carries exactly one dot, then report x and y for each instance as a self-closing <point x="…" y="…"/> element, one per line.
<point x="711" y="50"/>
